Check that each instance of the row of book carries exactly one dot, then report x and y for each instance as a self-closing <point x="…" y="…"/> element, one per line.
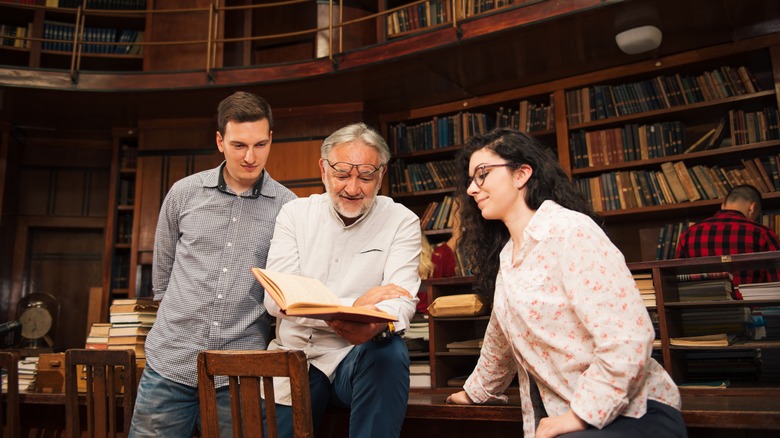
<point x="668" y="237"/>
<point x="439" y="215"/>
<point x="126" y="192"/>
<point x="129" y="157"/>
<point x="604" y="101"/>
<point x="440" y="132"/>
<point x="120" y="270"/>
<point x="674" y="183"/>
<point x="530" y="117"/>
<point x="754" y="126"/>
<point x="123" y="5"/>
<point x="634" y="142"/>
<point x="631" y="142"/>
<point x="419" y="16"/>
<point x="453" y="130"/>
<point x="124" y="227"/>
<point x="60" y="36"/>
<point x="417" y="177"/>
<point x="470" y="8"/>
<point x="17" y="34"/>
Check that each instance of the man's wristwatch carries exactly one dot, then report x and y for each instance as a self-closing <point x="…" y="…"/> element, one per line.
<point x="385" y="334"/>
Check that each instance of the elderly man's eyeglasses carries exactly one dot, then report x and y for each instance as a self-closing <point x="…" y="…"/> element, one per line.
<point x="343" y="168"/>
<point x="481" y="172"/>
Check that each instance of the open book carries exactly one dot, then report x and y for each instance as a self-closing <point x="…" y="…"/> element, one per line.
<point x="309" y="298"/>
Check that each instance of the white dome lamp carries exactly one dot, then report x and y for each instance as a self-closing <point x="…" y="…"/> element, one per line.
<point x="639" y="39"/>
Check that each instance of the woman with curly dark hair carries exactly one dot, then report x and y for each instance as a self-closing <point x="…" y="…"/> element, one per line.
<point x="567" y="316"/>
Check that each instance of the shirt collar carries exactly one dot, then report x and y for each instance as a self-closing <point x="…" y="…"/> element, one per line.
<point x="732" y="213"/>
<point x="222" y="186"/>
<point x="540" y="224"/>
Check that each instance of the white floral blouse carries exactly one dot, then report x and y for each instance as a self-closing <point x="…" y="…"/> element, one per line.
<point x="568" y="312"/>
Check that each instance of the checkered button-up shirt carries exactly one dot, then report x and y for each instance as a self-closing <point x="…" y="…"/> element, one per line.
<point x="207" y="239"/>
<point x="730" y="232"/>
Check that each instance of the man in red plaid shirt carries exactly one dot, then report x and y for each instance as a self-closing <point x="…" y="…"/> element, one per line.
<point x="733" y="230"/>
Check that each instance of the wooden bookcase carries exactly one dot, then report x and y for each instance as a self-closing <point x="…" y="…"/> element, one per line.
<point x="118" y="277"/>
<point x="54" y="29"/>
<point x="670" y="310"/>
<point x="635" y="230"/>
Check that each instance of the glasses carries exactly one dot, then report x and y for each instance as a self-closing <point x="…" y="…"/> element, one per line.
<point x="481" y="172"/>
<point x="343" y="168"/>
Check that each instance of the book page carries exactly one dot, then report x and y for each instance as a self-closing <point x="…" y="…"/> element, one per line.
<point x="294" y="288"/>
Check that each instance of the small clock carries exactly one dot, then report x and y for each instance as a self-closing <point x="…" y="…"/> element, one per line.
<point x="37" y="312"/>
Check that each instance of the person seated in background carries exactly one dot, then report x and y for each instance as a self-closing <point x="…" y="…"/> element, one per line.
<point x="733" y="230"/>
<point x="366" y="249"/>
<point x="567" y="316"/>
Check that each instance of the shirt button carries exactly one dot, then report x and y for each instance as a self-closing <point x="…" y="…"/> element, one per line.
<point x="224" y="269"/>
<point x="230" y="244"/>
<point x="219" y="296"/>
<point x="216" y="323"/>
<point x="234" y="219"/>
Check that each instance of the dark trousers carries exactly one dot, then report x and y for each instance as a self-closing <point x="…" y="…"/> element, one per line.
<point x="372" y="381"/>
<point x="660" y="421"/>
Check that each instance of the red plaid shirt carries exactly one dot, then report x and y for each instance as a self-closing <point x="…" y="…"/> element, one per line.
<point x="730" y="232"/>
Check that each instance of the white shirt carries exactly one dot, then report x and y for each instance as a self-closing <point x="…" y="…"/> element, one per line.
<point x="310" y="239"/>
<point x="568" y="313"/>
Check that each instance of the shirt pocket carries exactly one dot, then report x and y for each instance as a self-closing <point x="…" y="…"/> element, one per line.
<point x="368" y="265"/>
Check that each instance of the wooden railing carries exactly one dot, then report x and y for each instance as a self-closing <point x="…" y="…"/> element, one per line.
<point x="211" y="40"/>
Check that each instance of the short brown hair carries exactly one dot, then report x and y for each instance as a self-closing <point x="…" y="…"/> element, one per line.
<point x="243" y="107"/>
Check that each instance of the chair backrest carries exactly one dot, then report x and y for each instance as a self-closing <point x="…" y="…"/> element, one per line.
<point x="103" y="370"/>
<point x="245" y="370"/>
<point x="9" y="410"/>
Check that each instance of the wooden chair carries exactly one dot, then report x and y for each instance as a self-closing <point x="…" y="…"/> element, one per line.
<point x="9" y="409"/>
<point x="104" y="371"/>
<point x="249" y="368"/>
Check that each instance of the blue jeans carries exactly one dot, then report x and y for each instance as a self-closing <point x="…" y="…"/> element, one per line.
<point x="373" y="381"/>
<point x="164" y="408"/>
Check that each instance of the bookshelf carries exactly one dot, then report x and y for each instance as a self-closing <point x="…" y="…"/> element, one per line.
<point x="118" y="278"/>
<point x="746" y="76"/>
<point x="50" y="28"/>
<point x="748" y="365"/>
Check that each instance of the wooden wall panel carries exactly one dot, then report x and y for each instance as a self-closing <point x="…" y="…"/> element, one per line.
<point x="65" y="263"/>
<point x="36" y="184"/>
<point x="98" y="194"/>
<point x="294" y="160"/>
<point x="68" y="192"/>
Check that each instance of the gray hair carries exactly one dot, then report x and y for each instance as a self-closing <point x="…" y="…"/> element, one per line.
<point x="357" y="131"/>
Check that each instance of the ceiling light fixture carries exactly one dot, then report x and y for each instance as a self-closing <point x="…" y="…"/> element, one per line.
<point x="639" y="39"/>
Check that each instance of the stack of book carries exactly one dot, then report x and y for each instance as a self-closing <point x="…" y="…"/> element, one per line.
<point x="420" y="374"/>
<point x="416" y="336"/>
<point x="472" y="346"/>
<point x="708" y="286"/>
<point x="98" y="336"/>
<point x="717" y="340"/>
<point x="131" y="320"/>
<point x="711" y="321"/>
<point x="730" y="365"/>
<point x="760" y="291"/>
<point x="28" y="368"/>
<point x="644" y="282"/>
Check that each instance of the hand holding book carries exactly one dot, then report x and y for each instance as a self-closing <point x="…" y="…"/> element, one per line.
<point x="308" y="297"/>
